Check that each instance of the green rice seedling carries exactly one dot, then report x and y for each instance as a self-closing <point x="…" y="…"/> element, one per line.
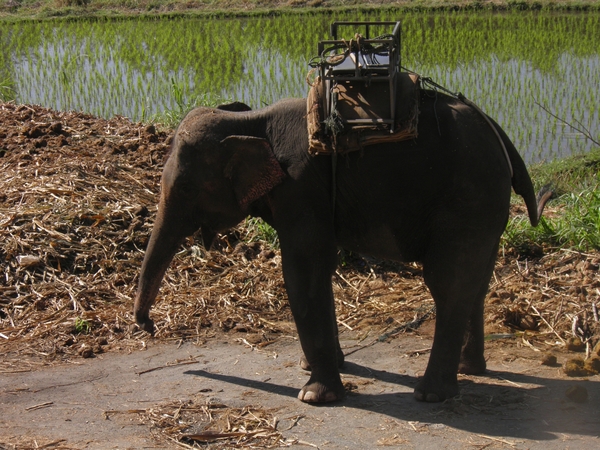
<point x="178" y="90"/>
<point x="7" y="91"/>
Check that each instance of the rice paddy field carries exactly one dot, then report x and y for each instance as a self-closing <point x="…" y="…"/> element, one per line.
<point x="523" y="68"/>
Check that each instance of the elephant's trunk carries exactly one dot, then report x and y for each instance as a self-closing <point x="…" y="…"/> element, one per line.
<point x="164" y="242"/>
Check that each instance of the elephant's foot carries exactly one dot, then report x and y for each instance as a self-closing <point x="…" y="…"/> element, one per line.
<point x="319" y="392"/>
<point x="304" y="364"/>
<point x="145" y="322"/>
<point x="435" y="390"/>
<point x="472" y="366"/>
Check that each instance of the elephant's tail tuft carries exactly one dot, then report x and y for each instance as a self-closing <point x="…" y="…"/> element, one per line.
<point x="545" y="194"/>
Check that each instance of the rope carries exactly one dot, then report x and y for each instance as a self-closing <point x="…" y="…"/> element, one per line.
<point x="334" y="158"/>
<point x="334" y="123"/>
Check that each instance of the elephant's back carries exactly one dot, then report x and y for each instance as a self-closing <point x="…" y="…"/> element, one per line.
<point x="455" y="169"/>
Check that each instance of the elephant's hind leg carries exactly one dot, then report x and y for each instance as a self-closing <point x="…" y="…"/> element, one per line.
<point x="472" y="359"/>
<point x="457" y="277"/>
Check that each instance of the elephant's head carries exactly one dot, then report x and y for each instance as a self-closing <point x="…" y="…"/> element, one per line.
<point x="209" y="182"/>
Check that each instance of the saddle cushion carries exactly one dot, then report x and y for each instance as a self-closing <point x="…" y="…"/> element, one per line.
<point x="355" y="100"/>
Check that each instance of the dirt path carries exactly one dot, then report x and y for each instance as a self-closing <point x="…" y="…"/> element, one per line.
<point x="129" y="400"/>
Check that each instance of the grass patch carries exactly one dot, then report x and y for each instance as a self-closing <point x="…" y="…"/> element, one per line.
<point x="257" y="230"/>
<point x="569" y="174"/>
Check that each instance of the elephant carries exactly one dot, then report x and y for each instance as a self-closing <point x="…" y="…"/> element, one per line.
<point x="441" y="199"/>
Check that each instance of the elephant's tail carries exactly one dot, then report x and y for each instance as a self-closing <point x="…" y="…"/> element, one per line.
<point x="521" y="182"/>
<point x="545" y="194"/>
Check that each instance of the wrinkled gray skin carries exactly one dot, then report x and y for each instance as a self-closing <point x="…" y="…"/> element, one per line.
<point x="441" y="199"/>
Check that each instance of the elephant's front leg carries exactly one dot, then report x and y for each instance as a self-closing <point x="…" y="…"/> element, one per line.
<point x="309" y="261"/>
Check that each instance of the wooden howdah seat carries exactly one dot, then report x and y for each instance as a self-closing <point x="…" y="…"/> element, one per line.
<point x="360" y="97"/>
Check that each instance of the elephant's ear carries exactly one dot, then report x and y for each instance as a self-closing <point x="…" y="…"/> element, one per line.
<point x="252" y="167"/>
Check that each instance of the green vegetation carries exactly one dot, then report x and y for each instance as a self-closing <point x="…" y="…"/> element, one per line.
<point x="257" y="230"/>
<point x="576" y="225"/>
<point x="82" y="326"/>
<point x="573" y="218"/>
<point x="7" y="91"/>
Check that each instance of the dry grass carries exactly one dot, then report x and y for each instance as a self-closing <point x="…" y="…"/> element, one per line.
<point x="213" y="425"/>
